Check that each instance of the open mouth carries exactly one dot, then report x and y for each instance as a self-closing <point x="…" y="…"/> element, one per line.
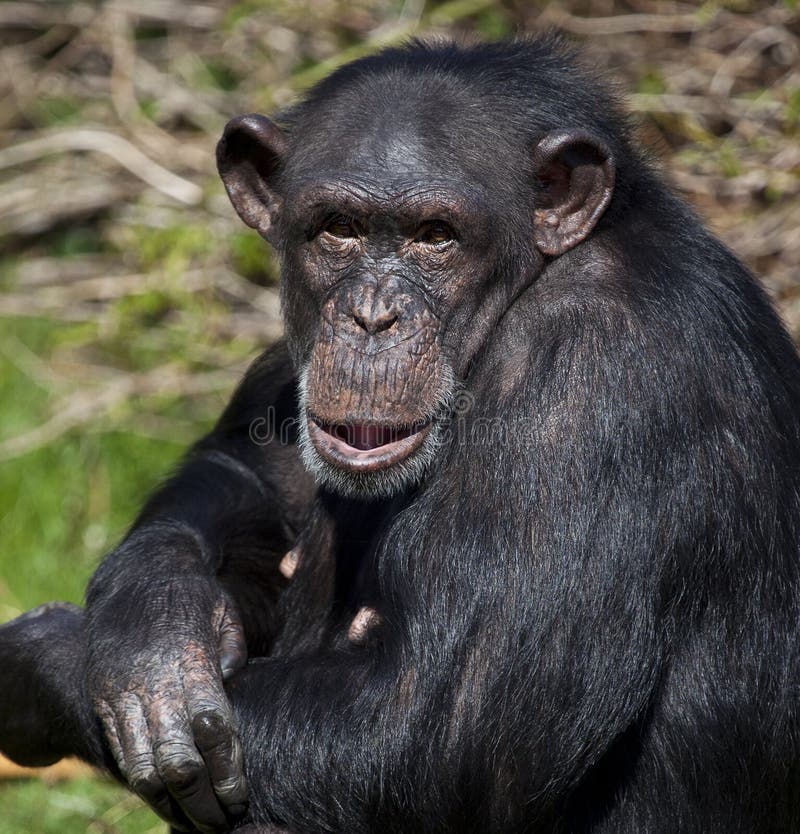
<point x="366" y="447"/>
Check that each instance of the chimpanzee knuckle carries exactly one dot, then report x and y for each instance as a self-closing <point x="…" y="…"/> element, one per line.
<point x="101" y="684"/>
<point x="211" y="728"/>
<point x="109" y="723"/>
<point x="180" y="767"/>
<point x="103" y="711"/>
<point x="144" y="779"/>
<point x="231" y="789"/>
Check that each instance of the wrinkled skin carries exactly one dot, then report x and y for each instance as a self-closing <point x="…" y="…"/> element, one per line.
<point x="400" y="266"/>
<point x="177" y="750"/>
<point x="38" y="736"/>
<point x="398" y="260"/>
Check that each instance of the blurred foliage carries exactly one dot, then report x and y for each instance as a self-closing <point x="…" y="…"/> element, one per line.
<point x="81" y="806"/>
<point x="131" y="298"/>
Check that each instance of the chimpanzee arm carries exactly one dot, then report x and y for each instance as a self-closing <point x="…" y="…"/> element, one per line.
<point x="241" y="488"/>
<point x="169" y="609"/>
<point x="45" y="711"/>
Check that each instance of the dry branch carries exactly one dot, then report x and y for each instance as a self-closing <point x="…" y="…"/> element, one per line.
<point x="94" y="404"/>
<point x="624" y="23"/>
<point x="119" y="149"/>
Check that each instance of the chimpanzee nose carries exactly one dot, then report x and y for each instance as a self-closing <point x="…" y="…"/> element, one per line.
<point x="374" y="315"/>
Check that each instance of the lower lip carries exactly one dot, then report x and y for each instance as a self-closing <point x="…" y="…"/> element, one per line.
<point x="340" y="453"/>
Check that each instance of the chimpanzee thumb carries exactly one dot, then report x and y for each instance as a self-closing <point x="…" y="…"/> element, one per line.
<point x="231" y="644"/>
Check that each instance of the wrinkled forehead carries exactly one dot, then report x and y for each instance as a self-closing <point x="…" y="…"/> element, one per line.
<point x="388" y="154"/>
<point x="399" y="134"/>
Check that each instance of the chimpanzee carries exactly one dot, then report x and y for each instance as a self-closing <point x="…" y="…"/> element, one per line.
<point x="507" y="526"/>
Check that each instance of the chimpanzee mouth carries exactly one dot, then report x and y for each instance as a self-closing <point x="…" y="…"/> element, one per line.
<point x="366" y="447"/>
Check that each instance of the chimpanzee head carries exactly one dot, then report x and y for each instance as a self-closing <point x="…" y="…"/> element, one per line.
<point x="411" y="196"/>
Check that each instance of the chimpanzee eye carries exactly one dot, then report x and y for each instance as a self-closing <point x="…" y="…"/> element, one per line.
<point x="434" y="233"/>
<point x="340" y="226"/>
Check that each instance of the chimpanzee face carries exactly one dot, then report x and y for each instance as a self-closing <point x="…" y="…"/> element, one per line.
<point x="387" y="262"/>
<point x="392" y="238"/>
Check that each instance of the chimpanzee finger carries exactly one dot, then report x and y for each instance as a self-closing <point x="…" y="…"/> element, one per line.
<point x="138" y="763"/>
<point x="109" y="722"/>
<point x="179" y="763"/>
<point x="288" y="565"/>
<point x="216" y="739"/>
<point x="187" y="780"/>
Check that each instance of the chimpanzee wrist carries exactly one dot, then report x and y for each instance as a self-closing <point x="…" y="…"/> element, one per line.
<point x="160" y="549"/>
<point x="76" y="730"/>
<point x="173" y="545"/>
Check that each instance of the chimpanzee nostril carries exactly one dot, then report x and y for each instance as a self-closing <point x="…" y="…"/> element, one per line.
<point x="385" y="323"/>
<point x="375" y="322"/>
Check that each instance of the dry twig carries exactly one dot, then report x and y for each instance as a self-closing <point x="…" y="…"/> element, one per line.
<point x="112" y="145"/>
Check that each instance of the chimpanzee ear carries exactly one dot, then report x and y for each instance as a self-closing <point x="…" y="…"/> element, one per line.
<point x="576" y="175"/>
<point x="249" y="155"/>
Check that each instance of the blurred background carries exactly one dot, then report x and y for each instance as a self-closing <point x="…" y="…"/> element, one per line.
<point x="132" y="298"/>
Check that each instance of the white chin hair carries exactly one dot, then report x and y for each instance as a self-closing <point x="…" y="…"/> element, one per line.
<point x="383" y="483"/>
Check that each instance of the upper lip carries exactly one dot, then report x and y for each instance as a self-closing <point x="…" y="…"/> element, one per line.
<point x="366" y="447"/>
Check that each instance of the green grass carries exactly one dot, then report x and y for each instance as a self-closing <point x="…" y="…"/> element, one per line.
<point x="62" y="506"/>
<point x="81" y="806"/>
<point x="68" y="501"/>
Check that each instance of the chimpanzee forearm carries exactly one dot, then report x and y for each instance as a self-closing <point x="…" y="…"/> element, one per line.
<point x="230" y="513"/>
<point x="244" y="478"/>
<point x="190" y="593"/>
<point x="45" y="710"/>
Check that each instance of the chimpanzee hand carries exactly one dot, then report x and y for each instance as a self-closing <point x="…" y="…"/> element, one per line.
<point x="42" y="658"/>
<point x="156" y="666"/>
